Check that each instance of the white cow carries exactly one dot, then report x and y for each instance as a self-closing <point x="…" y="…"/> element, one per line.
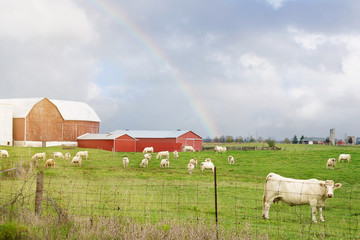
<point x="144" y="163"/>
<point x="193" y="161"/>
<point x="189" y="149"/>
<point x="147" y="156"/>
<point x="67" y="156"/>
<point x="219" y="149"/>
<point x="49" y="163"/>
<point x="164" y="163"/>
<point x="207" y="165"/>
<point x="84" y="154"/>
<point x="38" y="156"/>
<point x="176" y="154"/>
<point x="76" y="160"/>
<point x="162" y="154"/>
<point x="125" y="162"/>
<point x="4" y="153"/>
<point x="190" y="167"/>
<point x="208" y="160"/>
<point x="294" y="192"/>
<point x="231" y="160"/>
<point x="331" y="163"/>
<point x="57" y="154"/>
<point x="148" y="150"/>
<point x="344" y="157"/>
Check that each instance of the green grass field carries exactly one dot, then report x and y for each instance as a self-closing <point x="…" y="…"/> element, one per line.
<point x="101" y="187"/>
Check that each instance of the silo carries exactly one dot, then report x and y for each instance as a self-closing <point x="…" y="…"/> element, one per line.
<point x="6" y="124"/>
<point x="332" y="136"/>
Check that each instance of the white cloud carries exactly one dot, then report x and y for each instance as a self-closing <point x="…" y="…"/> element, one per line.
<point x="276" y="3"/>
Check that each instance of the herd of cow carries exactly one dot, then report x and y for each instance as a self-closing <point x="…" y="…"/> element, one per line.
<point x="294" y="192"/>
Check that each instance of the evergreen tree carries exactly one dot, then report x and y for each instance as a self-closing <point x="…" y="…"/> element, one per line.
<point x="295" y="140"/>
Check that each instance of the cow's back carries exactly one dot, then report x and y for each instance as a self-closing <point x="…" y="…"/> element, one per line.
<point x="291" y="191"/>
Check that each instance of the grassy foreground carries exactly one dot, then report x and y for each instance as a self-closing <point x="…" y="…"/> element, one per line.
<point x="102" y="200"/>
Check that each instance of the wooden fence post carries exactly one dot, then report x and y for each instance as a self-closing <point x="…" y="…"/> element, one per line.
<point x="216" y="207"/>
<point x="39" y="192"/>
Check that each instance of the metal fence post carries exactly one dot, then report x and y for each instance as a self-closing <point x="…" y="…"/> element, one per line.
<point x="216" y="211"/>
<point x="39" y="192"/>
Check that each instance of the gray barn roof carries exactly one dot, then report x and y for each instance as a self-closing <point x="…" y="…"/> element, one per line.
<point x="152" y="133"/>
<point x="69" y="110"/>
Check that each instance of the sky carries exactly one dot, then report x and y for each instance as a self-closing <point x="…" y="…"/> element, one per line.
<point x="269" y="68"/>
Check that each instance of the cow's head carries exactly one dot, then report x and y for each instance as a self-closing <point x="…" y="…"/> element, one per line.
<point x="330" y="187"/>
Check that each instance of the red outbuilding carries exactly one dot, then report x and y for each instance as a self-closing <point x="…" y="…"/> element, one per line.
<point x="137" y="140"/>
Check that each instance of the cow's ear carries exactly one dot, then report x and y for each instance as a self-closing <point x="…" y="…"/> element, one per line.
<point x="337" y="185"/>
<point x="322" y="184"/>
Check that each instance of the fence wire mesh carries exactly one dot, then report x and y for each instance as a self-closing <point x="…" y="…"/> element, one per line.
<point x="239" y="206"/>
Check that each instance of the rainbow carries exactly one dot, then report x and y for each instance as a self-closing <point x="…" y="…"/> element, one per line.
<point x="120" y="18"/>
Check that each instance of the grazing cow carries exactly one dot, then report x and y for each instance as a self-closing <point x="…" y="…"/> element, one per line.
<point x="4" y="153"/>
<point x="207" y="165"/>
<point x="57" y="154"/>
<point x="344" y="157"/>
<point x="331" y="163"/>
<point x="38" y="156"/>
<point x="148" y="150"/>
<point x="189" y="149"/>
<point x="176" y="154"/>
<point x="294" y="192"/>
<point x="231" y="160"/>
<point x="164" y="154"/>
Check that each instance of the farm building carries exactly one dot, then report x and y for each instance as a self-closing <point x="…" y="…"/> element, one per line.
<point x="137" y="140"/>
<point x="45" y="122"/>
<point x="313" y="140"/>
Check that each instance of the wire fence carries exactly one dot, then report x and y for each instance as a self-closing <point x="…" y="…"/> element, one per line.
<point x="238" y="206"/>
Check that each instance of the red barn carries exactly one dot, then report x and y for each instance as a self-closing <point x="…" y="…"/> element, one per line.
<point x="137" y="140"/>
<point x="40" y="122"/>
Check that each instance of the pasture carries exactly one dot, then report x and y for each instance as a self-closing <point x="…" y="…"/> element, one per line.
<point x="171" y="201"/>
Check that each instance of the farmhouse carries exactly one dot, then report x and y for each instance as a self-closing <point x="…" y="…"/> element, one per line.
<point x="313" y="140"/>
<point x="137" y="140"/>
<point x="45" y="122"/>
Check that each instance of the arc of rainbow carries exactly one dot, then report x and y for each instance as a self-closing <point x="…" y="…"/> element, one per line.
<point x="120" y="18"/>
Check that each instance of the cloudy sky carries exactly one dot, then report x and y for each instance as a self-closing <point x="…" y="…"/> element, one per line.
<point x="269" y="68"/>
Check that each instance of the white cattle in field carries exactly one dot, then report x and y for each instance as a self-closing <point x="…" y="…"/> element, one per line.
<point x="57" y="154"/>
<point x="144" y="163"/>
<point x="294" y="192"/>
<point x="176" y="154"/>
<point x="148" y="150"/>
<point x="189" y="149"/>
<point x="219" y="149"/>
<point x="164" y="163"/>
<point x="49" y="163"/>
<point x="208" y="160"/>
<point x="38" y="156"/>
<point x="231" y="160"/>
<point x="162" y="154"/>
<point x="190" y="167"/>
<point x="344" y="157"/>
<point x="83" y="154"/>
<point x="76" y="160"/>
<point x="67" y="156"/>
<point x="125" y="161"/>
<point x="4" y="153"/>
<point x="207" y="165"/>
<point x="193" y="161"/>
<point x="331" y="163"/>
<point x="147" y="156"/>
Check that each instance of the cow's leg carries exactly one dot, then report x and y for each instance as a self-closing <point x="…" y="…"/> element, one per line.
<point x="313" y="211"/>
<point x="320" y="214"/>
<point x="266" y="208"/>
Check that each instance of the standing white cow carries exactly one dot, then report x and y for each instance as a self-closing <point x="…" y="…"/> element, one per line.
<point x="189" y="149"/>
<point x="83" y="154"/>
<point x="231" y="159"/>
<point x="162" y="154"/>
<point x="148" y="150"/>
<point x="57" y="154"/>
<point x="176" y="154"/>
<point x="125" y="162"/>
<point x="344" y="157"/>
<point x="294" y="192"/>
